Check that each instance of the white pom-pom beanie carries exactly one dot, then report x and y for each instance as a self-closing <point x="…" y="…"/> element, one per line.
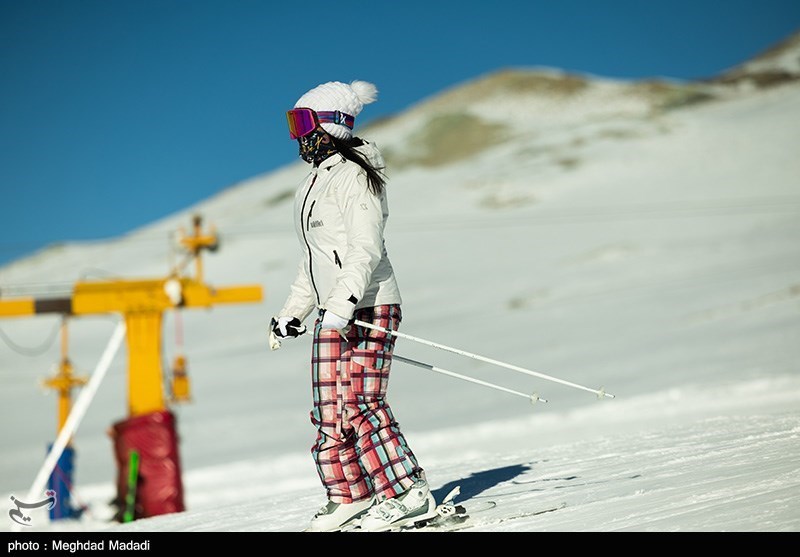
<point x="335" y="95"/>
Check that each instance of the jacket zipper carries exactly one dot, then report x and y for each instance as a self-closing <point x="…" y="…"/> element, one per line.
<point x="305" y="239"/>
<point x="336" y="259"/>
<point x="310" y="210"/>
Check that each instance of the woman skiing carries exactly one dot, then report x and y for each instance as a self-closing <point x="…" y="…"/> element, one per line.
<point x="372" y="478"/>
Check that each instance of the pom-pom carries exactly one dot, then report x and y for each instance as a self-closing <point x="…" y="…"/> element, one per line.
<point x="365" y="91"/>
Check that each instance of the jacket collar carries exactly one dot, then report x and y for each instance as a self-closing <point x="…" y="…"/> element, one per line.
<point x="333" y="160"/>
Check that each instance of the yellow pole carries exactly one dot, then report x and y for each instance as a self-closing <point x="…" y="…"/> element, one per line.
<point x="198" y="221"/>
<point x="145" y="372"/>
<point x="64" y="401"/>
<point x="64" y="381"/>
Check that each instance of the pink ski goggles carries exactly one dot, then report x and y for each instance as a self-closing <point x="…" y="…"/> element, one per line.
<point x="303" y="121"/>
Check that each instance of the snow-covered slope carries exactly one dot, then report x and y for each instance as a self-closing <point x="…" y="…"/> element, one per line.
<point x="640" y="236"/>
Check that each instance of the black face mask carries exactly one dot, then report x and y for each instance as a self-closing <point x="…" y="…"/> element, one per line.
<point x="315" y="147"/>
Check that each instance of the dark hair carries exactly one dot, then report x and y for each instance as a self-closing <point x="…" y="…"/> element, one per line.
<point x="376" y="179"/>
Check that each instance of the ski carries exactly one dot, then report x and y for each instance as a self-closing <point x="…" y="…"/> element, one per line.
<point x="453" y="516"/>
<point x="462" y="521"/>
<point x="448" y="512"/>
<point x="133" y="480"/>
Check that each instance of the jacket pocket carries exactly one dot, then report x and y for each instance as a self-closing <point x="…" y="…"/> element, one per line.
<point x="336" y="259"/>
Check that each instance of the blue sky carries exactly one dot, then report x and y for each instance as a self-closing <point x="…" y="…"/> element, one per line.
<point x="115" y="113"/>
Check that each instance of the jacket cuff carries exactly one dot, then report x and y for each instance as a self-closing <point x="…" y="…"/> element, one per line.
<point x="342" y="308"/>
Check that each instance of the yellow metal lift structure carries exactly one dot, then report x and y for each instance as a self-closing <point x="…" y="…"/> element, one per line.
<point x="142" y="303"/>
<point x="64" y="381"/>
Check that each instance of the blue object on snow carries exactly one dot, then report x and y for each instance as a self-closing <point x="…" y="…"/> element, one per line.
<point x="60" y="481"/>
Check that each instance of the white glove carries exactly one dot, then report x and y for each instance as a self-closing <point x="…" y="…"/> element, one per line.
<point x="284" y="327"/>
<point x="332" y="321"/>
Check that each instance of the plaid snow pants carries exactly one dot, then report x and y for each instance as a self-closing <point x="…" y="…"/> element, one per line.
<point x="359" y="451"/>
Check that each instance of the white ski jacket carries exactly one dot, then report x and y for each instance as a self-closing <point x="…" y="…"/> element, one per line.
<point x="344" y="264"/>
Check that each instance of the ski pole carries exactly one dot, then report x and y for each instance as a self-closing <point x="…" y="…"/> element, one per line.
<point x="599" y="392"/>
<point x="534" y="398"/>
